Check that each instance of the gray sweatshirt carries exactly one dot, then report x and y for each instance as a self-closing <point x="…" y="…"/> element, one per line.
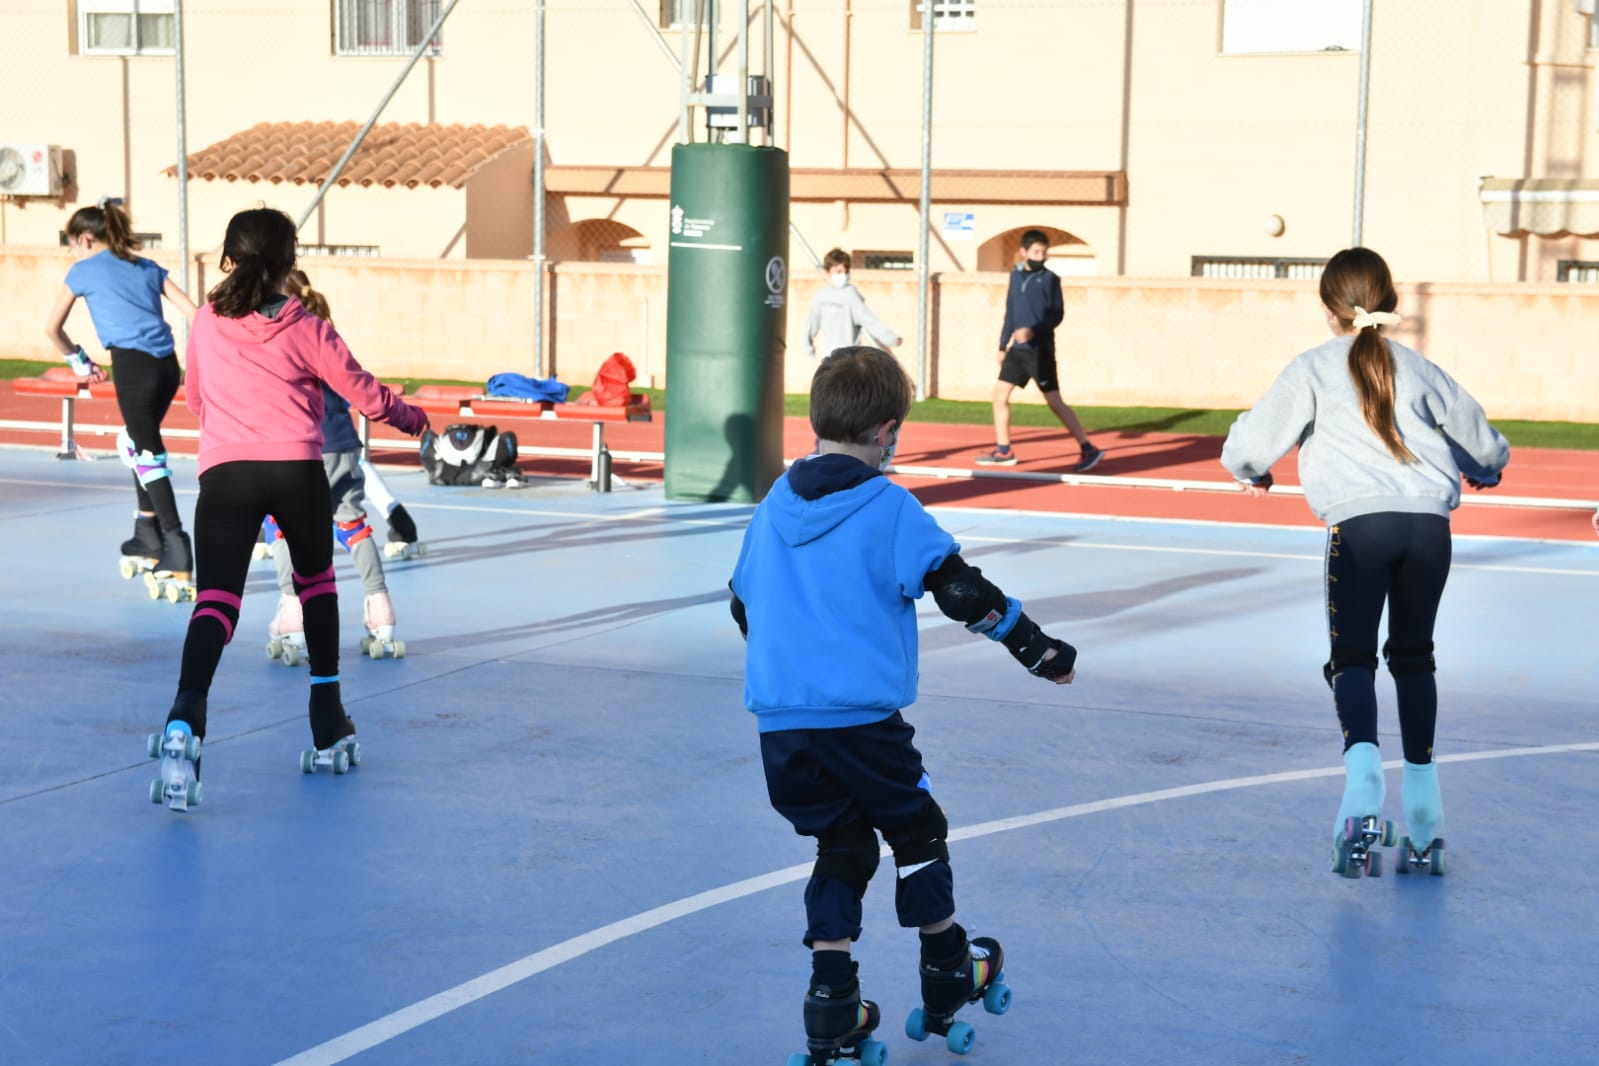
<point x="1345" y="468"/>
<point x="839" y="315"/>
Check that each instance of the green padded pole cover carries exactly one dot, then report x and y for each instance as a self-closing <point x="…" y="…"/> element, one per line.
<point x="727" y="287"/>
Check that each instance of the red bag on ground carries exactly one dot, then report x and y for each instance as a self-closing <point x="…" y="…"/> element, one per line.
<point x="613" y="383"/>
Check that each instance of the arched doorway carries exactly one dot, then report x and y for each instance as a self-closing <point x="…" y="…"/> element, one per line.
<point x="1068" y="255"/>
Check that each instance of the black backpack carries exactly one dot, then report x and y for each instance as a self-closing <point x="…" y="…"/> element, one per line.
<point x="467" y="454"/>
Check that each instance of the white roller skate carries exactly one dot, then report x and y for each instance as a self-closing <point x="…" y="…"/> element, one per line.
<point x="287" y="632"/>
<point x="179" y="751"/>
<point x="380" y="641"/>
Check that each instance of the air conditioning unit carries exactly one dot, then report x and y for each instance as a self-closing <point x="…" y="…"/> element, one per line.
<point x="30" y="169"/>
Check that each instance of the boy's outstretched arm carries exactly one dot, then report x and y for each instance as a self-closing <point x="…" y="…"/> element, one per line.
<point x="964" y="594"/>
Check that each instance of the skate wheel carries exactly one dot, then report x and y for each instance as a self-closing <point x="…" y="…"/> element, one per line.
<point x="1437" y="860"/>
<point x="1402" y="859"/>
<point x="355" y="753"/>
<point x="274" y="648"/>
<point x="191" y="748"/>
<point x="341" y="762"/>
<point x="308" y="762"/>
<point x="152" y="745"/>
<point x="128" y="568"/>
<point x="961" y="1038"/>
<point x="174" y="594"/>
<point x="1373" y="864"/>
<point x="152" y="586"/>
<point x="872" y="1053"/>
<point x="291" y="655"/>
<point x="193" y="793"/>
<point x="155" y="791"/>
<point x="399" y="649"/>
<point x="1340" y="860"/>
<point x="916" y="1025"/>
<point x="997" y="999"/>
<point x="419" y="549"/>
<point x="1390" y="833"/>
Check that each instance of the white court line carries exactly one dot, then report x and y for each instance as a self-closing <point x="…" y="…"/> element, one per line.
<point x="423" y="1011"/>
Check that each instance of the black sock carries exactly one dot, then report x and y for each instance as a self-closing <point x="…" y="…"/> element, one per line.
<point x="832" y="968"/>
<point x="941" y="947"/>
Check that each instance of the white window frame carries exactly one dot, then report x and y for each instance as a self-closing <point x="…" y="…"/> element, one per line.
<point x="134" y="10"/>
<point x="959" y="16"/>
<point x="1264" y="27"/>
<point x="346" y="20"/>
<point x="671" y="13"/>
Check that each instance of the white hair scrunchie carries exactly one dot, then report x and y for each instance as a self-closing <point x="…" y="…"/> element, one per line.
<point x="1364" y="318"/>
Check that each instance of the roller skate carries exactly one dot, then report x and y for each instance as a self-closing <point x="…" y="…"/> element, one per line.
<point x="838" y="1027"/>
<point x="266" y="539"/>
<point x="403" y="542"/>
<point x="977" y="973"/>
<point x="1359" y="826"/>
<point x="172" y="576"/>
<point x="1424" y="816"/>
<point x="140" y="552"/>
<point x="333" y="734"/>
<point x="179" y="751"/>
<point x="286" y="632"/>
<point x="379" y="616"/>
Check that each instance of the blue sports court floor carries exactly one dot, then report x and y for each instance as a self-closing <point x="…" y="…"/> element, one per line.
<point x="558" y="848"/>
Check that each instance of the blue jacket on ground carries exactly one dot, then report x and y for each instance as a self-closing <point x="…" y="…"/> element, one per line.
<point x="1034" y="301"/>
<point x="832" y="564"/>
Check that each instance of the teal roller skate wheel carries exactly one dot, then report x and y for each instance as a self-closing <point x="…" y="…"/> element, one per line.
<point x="355" y="753"/>
<point x="341" y="761"/>
<point x="961" y="1038"/>
<point x="1437" y="858"/>
<point x="997" y="999"/>
<point x="873" y="1053"/>
<point x="193" y="793"/>
<point x="152" y="745"/>
<point x="156" y="790"/>
<point x="308" y="762"/>
<point x="916" y="1025"/>
<point x="191" y="748"/>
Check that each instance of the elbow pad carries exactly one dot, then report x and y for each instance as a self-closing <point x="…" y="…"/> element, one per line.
<point x="965" y="595"/>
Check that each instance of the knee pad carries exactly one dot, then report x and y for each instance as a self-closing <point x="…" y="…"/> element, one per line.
<point x="923" y="840"/>
<point x="849" y="854"/>
<point x="148" y="467"/>
<point x="1405" y="659"/>
<point x="1344" y="658"/>
<point x="351" y="533"/>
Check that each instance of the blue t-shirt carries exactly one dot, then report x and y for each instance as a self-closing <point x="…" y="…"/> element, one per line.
<point x="124" y="301"/>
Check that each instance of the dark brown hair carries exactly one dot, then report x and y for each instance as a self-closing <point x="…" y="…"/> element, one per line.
<point x="1358" y="277"/>
<point x="109" y="225"/>
<point x="836" y="257"/>
<point x="299" y="286"/>
<point x="854" y="391"/>
<point x="258" y="253"/>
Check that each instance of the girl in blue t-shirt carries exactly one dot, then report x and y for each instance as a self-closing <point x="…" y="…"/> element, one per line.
<point x="124" y="292"/>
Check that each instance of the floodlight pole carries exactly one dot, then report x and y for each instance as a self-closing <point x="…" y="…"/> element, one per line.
<point x="538" y="191"/>
<point x="1360" y="122"/>
<point x="923" y="277"/>
<point x="183" y="157"/>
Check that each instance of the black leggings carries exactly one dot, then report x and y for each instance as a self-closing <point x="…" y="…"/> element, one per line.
<point x="1402" y="560"/>
<point x="234" y="499"/>
<point x="146" y="385"/>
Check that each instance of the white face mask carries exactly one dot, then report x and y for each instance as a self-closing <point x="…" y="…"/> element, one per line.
<point x="838" y="281"/>
<point x="888" y="451"/>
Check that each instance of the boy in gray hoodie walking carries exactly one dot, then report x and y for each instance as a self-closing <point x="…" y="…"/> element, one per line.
<point x="1384" y="439"/>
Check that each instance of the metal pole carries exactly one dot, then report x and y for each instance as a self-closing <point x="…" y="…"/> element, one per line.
<point x="361" y="136"/>
<point x="1360" y="122"/>
<point x="744" y="72"/>
<point x="183" y="157"/>
<point x="654" y="30"/>
<point x="538" y="190"/>
<point x="767" y="63"/>
<point x="923" y="277"/>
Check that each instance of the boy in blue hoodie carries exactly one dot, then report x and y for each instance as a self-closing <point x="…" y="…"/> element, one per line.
<point x="825" y="593"/>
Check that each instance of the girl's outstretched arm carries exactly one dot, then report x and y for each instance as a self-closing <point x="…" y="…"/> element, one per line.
<point x="179" y="299"/>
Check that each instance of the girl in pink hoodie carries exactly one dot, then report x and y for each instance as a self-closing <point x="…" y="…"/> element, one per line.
<point x="257" y="361"/>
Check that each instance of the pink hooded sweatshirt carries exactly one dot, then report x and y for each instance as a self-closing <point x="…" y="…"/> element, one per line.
<point x="256" y="384"/>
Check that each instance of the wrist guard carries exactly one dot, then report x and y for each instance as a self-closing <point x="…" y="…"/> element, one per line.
<point x="1028" y="645"/>
<point x="80" y="362"/>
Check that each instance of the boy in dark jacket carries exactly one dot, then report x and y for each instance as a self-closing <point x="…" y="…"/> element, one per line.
<point x="825" y="592"/>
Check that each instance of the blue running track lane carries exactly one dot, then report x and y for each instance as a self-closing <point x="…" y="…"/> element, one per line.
<point x="557" y="848"/>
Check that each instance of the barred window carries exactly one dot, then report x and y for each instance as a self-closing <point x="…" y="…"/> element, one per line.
<point x="1578" y="271"/>
<point x="383" y="27"/>
<point x="1245" y="266"/>
<point x="358" y="251"/>
<point x="126" y="27"/>
<point x="947" y="14"/>
<point x="675" y="13"/>
<point x="885" y="260"/>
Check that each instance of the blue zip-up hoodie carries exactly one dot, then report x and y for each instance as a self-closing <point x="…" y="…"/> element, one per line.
<point x="832" y="565"/>
<point x="1034" y="300"/>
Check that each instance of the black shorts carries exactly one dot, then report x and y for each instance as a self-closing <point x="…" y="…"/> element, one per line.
<point x="1024" y="363"/>
<point x="822" y="779"/>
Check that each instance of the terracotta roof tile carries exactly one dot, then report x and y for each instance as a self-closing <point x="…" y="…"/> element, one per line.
<point x="393" y="153"/>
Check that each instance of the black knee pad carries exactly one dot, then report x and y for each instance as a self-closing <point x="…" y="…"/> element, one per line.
<point x="923" y="840"/>
<point x="849" y="854"/>
<point x="1404" y="659"/>
<point x="1344" y="658"/>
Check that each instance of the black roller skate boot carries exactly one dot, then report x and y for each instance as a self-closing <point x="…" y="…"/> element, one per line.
<point x="331" y="731"/>
<point x="172" y="577"/>
<point x="839" y="1025"/>
<point x="977" y="972"/>
<point x="140" y="552"/>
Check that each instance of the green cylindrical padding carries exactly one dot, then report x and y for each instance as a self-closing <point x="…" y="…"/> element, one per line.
<point x="727" y="286"/>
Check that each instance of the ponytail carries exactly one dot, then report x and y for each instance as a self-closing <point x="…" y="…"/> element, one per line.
<point x="298" y="285"/>
<point x="1355" y="279"/>
<point x="257" y="254"/>
<point x="109" y="225"/>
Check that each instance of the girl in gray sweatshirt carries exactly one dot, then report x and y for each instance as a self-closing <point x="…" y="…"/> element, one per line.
<point x="1384" y="439"/>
